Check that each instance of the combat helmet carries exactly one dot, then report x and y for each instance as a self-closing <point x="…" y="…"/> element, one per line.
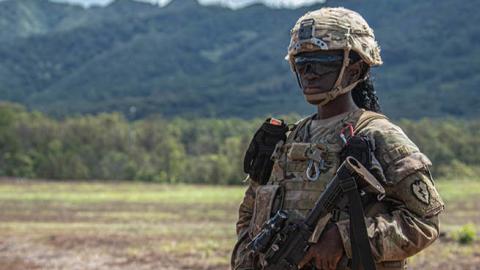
<point x="334" y="29"/>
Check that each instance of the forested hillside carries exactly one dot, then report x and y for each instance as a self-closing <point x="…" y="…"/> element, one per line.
<point x="186" y="59"/>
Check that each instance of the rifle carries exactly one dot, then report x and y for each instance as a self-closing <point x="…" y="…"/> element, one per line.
<point x="283" y="243"/>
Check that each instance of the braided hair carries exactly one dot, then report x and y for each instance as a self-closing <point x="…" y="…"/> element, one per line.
<point x="364" y="96"/>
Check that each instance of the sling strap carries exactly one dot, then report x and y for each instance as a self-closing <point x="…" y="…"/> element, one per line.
<point x="361" y="250"/>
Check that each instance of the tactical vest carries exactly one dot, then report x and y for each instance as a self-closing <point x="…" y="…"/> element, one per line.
<point x="291" y="187"/>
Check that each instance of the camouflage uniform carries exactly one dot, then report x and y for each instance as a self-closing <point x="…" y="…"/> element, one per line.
<point x="399" y="225"/>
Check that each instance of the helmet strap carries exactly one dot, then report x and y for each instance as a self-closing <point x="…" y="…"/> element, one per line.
<point x="299" y="81"/>
<point x="337" y="90"/>
<point x="321" y="99"/>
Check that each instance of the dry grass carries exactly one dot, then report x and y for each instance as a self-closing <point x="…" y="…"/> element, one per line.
<point x="58" y="225"/>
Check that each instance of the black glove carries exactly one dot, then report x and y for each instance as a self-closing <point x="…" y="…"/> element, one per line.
<point x="359" y="147"/>
<point x="257" y="162"/>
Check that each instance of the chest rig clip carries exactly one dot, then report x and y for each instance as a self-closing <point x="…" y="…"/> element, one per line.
<point x="316" y="164"/>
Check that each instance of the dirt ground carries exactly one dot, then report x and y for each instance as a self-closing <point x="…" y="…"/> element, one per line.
<point x="52" y="225"/>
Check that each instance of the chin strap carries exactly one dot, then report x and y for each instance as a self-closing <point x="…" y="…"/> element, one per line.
<point x="321" y="99"/>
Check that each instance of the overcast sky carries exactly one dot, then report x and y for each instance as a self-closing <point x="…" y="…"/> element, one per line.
<point x="231" y="3"/>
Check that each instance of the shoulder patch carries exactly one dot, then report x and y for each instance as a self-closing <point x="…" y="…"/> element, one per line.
<point x="420" y="190"/>
<point x="418" y="194"/>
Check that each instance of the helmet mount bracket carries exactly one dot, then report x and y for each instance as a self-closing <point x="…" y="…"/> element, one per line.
<point x="306" y="34"/>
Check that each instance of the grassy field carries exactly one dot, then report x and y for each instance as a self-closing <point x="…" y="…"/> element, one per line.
<point x="59" y="225"/>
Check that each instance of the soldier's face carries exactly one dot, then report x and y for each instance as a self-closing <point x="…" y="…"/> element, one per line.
<point x="318" y="71"/>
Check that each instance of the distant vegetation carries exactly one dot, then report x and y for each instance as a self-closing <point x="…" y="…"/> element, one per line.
<point x="107" y="146"/>
<point x="189" y="60"/>
<point x="465" y="235"/>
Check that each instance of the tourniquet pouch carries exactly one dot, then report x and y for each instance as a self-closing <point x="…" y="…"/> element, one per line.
<point x="263" y="210"/>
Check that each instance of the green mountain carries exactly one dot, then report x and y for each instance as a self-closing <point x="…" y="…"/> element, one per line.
<point x="192" y="60"/>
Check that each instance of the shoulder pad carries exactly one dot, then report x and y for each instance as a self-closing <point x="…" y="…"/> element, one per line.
<point x="366" y="117"/>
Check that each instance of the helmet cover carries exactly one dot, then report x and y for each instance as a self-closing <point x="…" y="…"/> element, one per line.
<point x="334" y="29"/>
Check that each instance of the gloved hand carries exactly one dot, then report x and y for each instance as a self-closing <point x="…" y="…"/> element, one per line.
<point x="257" y="161"/>
<point x="327" y="252"/>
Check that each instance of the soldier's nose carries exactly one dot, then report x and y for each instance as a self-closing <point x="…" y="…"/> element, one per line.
<point x="308" y="68"/>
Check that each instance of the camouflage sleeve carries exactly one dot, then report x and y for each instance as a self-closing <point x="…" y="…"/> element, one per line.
<point x="245" y="211"/>
<point x="242" y="258"/>
<point x="408" y="220"/>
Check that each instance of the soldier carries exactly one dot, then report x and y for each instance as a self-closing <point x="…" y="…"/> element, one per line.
<point x="331" y="52"/>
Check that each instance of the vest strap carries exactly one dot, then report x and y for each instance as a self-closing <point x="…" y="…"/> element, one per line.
<point x="366" y="118"/>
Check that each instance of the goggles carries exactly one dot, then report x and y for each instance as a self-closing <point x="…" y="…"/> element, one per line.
<point x="318" y="64"/>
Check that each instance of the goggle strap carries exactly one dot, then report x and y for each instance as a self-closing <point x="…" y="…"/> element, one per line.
<point x="318" y="59"/>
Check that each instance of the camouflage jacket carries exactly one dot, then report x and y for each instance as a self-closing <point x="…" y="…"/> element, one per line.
<point x="399" y="226"/>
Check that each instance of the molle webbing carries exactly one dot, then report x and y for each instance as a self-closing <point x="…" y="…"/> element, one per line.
<point x="298" y="127"/>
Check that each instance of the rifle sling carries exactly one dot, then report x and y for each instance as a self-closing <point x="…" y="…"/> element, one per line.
<point x="361" y="250"/>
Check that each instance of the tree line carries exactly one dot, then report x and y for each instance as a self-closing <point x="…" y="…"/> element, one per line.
<point x="180" y="150"/>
